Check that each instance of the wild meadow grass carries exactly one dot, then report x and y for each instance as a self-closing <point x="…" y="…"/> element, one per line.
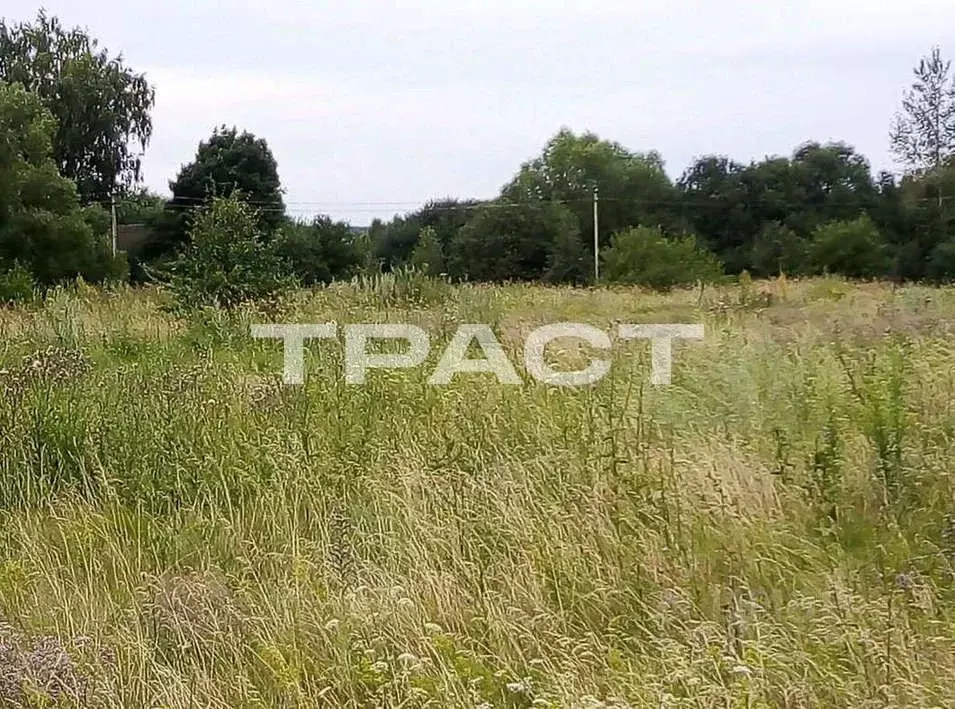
<point x="776" y="528"/>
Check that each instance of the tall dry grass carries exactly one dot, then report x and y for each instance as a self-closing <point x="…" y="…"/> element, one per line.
<point x="774" y="529"/>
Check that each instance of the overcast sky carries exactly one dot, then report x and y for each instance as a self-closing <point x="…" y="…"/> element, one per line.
<point x="372" y="108"/>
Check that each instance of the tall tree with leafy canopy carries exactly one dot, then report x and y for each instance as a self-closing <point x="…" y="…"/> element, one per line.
<point x="102" y="107"/>
<point x="717" y="205"/>
<point x="923" y="133"/>
<point x="922" y="138"/>
<point x="930" y="220"/>
<point x="633" y="188"/>
<point x="42" y="225"/>
<point x="835" y="183"/>
<point x="732" y="206"/>
<point x="231" y="163"/>
<point x="894" y="215"/>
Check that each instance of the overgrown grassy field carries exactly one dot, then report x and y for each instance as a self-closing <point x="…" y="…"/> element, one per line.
<point x="776" y="528"/>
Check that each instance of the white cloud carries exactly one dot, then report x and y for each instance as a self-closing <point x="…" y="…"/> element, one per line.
<point x="370" y="101"/>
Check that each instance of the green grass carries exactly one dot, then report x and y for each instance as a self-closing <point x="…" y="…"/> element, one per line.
<point x="774" y="529"/>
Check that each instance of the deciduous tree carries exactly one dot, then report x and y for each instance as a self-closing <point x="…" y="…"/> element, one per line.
<point x="227" y="262"/>
<point x="633" y="187"/>
<point x="230" y="163"/>
<point x="42" y="226"/>
<point x="923" y="133"/>
<point x="510" y="242"/>
<point x="320" y="251"/>
<point x="646" y="257"/>
<point x="101" y="106"/>
<point x="428" y="256"/>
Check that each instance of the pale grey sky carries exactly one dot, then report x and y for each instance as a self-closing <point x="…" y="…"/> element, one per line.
<point x="372" y="108"/>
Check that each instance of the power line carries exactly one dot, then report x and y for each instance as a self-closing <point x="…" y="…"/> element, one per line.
<point x="441" y="206"/>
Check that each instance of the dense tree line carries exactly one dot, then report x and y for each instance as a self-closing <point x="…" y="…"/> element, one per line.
<point x="819" y="209"/>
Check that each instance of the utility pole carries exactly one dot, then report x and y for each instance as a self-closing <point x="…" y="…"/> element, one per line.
<point x="596" y="242"/>
<point x="113" y="210"/>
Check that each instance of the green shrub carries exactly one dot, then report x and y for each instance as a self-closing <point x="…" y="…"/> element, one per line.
<point x="516" y="243"/>
<point x="104" y="268"/>
<point x="16" y="285"/>
<point x="941" y="262"/>
<point x="854" y="249"/>
<point x="778" y="249"/>
<point x="227" y="261"/>
<point x="567" y="261"/>
<point x="117" y="269"/>
<point x="43" y="227"/>
<point x="428" y="256"/>
<point x="321" y="251"/>
<point x="645" y="257"/>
